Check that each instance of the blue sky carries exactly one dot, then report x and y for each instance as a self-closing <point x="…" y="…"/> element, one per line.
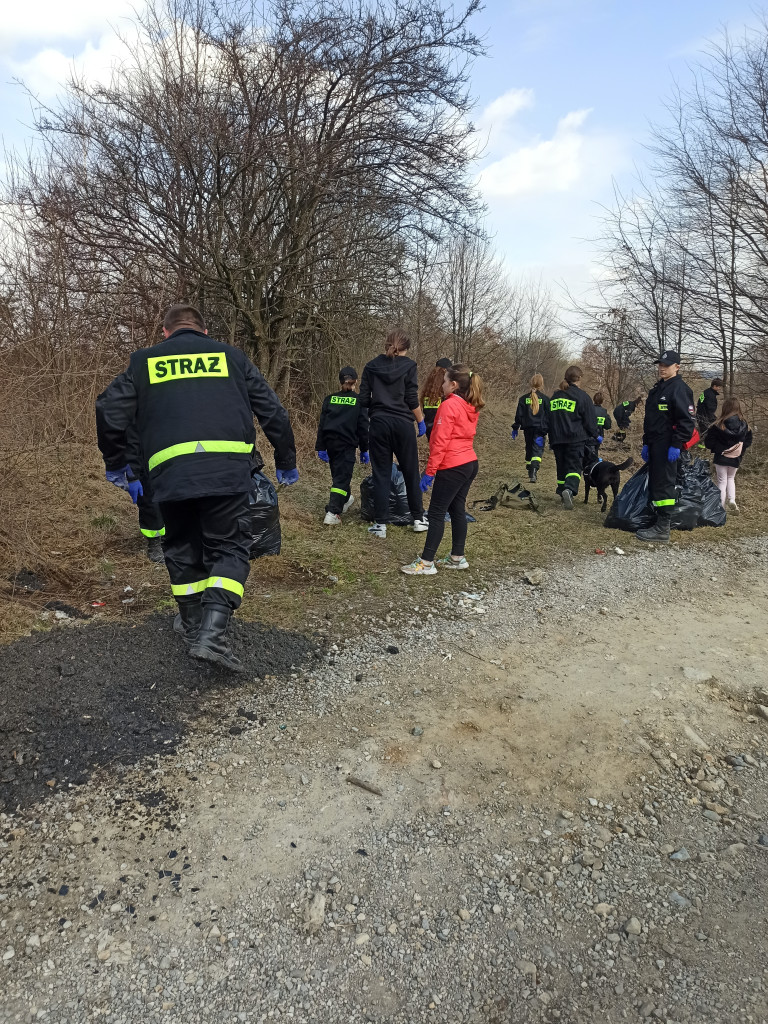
<point x="564" y="101"/>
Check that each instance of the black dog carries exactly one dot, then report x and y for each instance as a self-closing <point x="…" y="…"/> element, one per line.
<point x="602" y="475"/>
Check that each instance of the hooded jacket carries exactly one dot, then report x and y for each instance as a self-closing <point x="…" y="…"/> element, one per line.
<point x="525" y="417"/>
<point x="571" y="417"/>
<point x="720" y="439"/>
<point x="389" y="387"/>
<point x="452" y="435"/>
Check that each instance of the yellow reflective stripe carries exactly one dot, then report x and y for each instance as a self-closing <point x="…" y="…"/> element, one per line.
<point x="578" y="475"/>
<point x="196" y="447"/>
<point x="223" y="582"/>
<point x="153" y="533"/>
<point x="337" y="490"/>
<point x="664" y="501"/>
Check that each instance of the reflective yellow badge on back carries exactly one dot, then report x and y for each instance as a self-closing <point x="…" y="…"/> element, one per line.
<point x="197" y="364"/>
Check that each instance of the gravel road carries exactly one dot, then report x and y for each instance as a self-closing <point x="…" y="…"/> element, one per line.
<point x="563" y="813"/>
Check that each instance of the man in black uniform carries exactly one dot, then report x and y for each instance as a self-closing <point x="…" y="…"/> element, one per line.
<point x="667" y="428"/>
<point x="193" y="400"/>
<point x="343" y="428"/>
<point x="706" y="409"/>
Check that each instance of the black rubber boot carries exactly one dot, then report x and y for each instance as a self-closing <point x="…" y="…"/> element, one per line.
<point x="187" y="621"/>
<point x="211" y="644"/>
<point x="659" y="532"/>
<point x="155" y="550"/>
<point x="532" y="473"/>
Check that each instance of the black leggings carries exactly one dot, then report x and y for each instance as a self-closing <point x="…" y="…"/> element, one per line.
<point x="394" y="435"/>
<point x="449" y="494"/>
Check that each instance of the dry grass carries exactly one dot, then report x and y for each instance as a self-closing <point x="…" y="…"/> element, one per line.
<point x="60" y="520"/>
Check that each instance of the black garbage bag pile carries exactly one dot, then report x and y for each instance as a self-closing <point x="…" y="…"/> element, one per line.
<point x="265" y="516"/>
<point x="698" y="503"/>
<point x="399" y="512"/>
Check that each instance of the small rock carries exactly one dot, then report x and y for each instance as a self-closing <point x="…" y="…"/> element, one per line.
<point x="697" y="675"/>
<point x="464" y="914"/>
<point x="304" y="780"/>
<point x="762" y="711"/>
<point x="527" y="968"/>
<point x="593" y="802"/>
<point x="681" y="854"/>
<point x="678" y="900"/>
<point x="646" y="1009"/>
<point x="391" y="649"/>
<point x="603" y="909"/>
<point x="362" y="938"/>
<point x="535" y="577"/>
<point x="9" y="954"/>
<point x="314" y="914"/>
<point x="417" y="731"/>
<point x="437" y="764"/>
<point x="711" y="815"/>
<point x="568" y="815"/>
<point x="633" y="926"/>
<point x="33" y="941"/>
<point x="763" y="839"/>
<point x="358" y="677"/>
<point x="695" y="738"/>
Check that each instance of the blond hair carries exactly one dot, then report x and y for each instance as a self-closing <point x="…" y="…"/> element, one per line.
<point x="537" y="383"/>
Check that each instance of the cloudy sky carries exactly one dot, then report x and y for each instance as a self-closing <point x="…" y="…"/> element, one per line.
<point x="563" y="101"/>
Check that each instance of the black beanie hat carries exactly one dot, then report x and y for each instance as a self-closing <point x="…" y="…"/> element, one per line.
<point x="444" y="364"/>
<point x="347" y="373"/>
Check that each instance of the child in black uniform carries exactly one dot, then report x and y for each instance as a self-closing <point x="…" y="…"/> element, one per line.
<point x="532" y="415"/>
<point x="592" y="445"/>
<point x="572" y="422"/>
<point x="432" y="393"/>
<point x="343" y="427"/>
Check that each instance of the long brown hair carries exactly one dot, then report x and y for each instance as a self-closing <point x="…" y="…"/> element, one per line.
<point x="731" y="407"/>
<point x="433" y="386"/>
<point x="537" y="383"/>
<point x="572" y="375"/>
<point x="597" y="398"/>
<point x="470" y="385"/>
<point x="396" y="341"/>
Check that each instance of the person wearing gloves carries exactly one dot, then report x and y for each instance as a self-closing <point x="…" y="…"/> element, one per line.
<point x="622" y="414"/>
<point x="452" y="466"/>
<point x="532" y="417"/>
<point x="343" y="428"/>
<point x="729" y="437"/>
<point x="667" y="430"/>
<point x="432" y="393"/>
<point x="603" y="420"/>
<point x="389" y="390"/>
<point x="572" y="422"/>
<point x="193" y="401"/>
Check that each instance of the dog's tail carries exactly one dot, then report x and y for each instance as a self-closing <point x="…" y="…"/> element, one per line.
<point x="626" y="463"/>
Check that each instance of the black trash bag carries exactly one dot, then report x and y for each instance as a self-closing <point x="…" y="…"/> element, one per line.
<point x="688" y="506"/>
<point x="265" y="516"/>
<point x="632" y="509"/>
<point x="399" y="512"/>
<point x="698" y="502"/>
<point x="712" y="512"/>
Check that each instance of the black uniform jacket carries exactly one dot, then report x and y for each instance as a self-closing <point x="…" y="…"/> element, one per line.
<point x="603" y="419"/>
<point x="720" y="439"/>
<point x="669" y="413"/>
<point x="429" y="407"/>
<point x="706" y="409"/>
<point x="343" y="421"/>
<point x="525" y="418"/>
<point x="390" y="387"/>
<point x="193" y="400"/>
<point x="622" y="412"/>
<point x="571" y="416"/>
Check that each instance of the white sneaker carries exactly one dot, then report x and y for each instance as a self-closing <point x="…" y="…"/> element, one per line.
<point x="378" y="530"/>
<point x="732" y="506"/>
<point x="419" y="567"/>
<point x="420" y="525"/>
<point x="350" y="501"/>
<point x="331" y="519"/>
<point x="453" y="563"/>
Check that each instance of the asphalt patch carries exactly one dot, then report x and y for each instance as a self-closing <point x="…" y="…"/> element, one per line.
<point x="81" y="698"/>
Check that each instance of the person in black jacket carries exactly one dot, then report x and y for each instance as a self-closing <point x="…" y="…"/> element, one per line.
<point x="432" y="393"/>
<point x="706" y="407"/>
<point x="343" y="428"/>
<point x="603" y="420"/>
<point x="193" y="400"/>
<point x="532" y="415"/>
<point x="667" y="429"/>
<point x="729" y="437"/>
<point x="571" y="422"/>
<point x="622" y="414"/>
<point x="389" y="390"/>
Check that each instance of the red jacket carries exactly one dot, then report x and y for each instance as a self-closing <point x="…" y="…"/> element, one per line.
<point x="452" y="435"/>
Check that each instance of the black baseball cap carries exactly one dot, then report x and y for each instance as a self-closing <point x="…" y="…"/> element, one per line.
<point x="347" y="373"/>
<point x="444" y="364"/>
<point x="668" y="358"/>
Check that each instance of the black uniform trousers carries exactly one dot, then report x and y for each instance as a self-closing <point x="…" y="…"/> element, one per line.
<point x="150" y="518"/>
<point x="206" y="545"/>
<point x="533" y="452"/>
<point x="568" y="460"/>
<point x="664" y="477"/>
<point x="342" y="462"/>
<point x="394" y="436"/>
<point x="449" y="494"/>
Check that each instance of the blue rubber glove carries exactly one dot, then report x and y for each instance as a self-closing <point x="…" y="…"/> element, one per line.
<point x="422" y="428"/>
<point x="323" y="456"/>
<point x="673" y="454"/>
<point x="287" y="476"/>
<point x="118" y="477"/>
<point x="513" y="435"/>
<point x="538" y="441"/>
<point x="135" y="490"/>
<point x="426" y="482"/>
<point x="644" y="453"/>
<point x="599" y="438"/>
<point x="365" y="458"/>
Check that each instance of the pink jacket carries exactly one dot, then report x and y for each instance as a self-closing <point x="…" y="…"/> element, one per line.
<point x="452" y="435"/>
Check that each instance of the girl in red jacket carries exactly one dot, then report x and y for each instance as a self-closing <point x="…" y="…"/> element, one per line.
<point x="452" y="466"/>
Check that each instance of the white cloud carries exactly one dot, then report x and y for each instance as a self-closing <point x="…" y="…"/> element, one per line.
<point x="498" y="114"/>
<point x="546" y="165"/>
<point x="45" y="73"/>
<point x="52" y="20"/>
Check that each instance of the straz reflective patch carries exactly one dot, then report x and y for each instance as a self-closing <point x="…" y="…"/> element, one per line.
<point x="342" y="400"/>
<point x="600" y="421"/>
<point x="562" y="405"/>
<point x="196" y="364"/>
<point x="431" y="405"/>
<point x="663" y="407"/>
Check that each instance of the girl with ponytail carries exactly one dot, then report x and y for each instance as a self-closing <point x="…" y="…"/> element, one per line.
<point x="532" y="415"/>
<point x="452" y="466"/>
<point x="572" y="422"/>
